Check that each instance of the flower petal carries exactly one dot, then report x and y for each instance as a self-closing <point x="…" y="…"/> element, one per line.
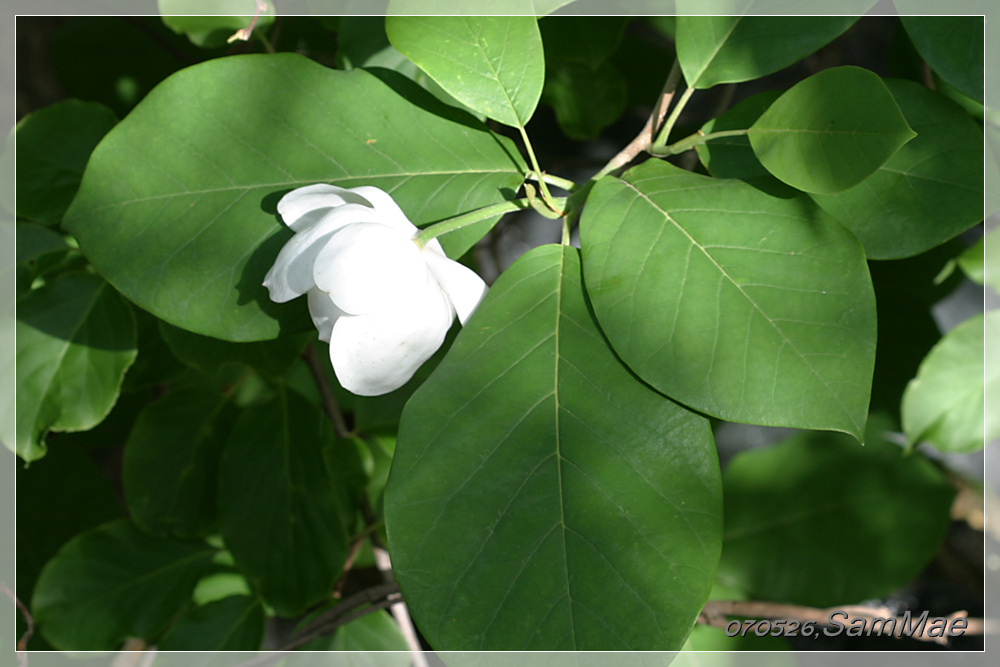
<point x="303" y="207"/>
<point x="463" y="286"/>
<point x="377" y="353"/>
<point x="368" y="268"/>
<point x="389" y="213"/>
<point x="324" y="312"/>
<point x="292" y="273"/>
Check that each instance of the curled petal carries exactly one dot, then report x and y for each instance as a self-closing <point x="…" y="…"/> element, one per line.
<point x="368" y="268"/>
<point x="292" y="273"/>
<point x="463" y="286"/>
<point x="389" y="213"/>
<point x="324" y="312"/>
<point x="303" y="207"/>
<point x="377" y="353"/>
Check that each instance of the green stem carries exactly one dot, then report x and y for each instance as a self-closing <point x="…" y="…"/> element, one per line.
<point x="542" y="186"/>
<point x="661" y="138"/>
<point x="466" y="219"/>
<point x="696" y="139"/>
<point x="557" y="181"/>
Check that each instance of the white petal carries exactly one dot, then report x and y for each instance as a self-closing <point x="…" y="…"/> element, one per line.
<point x="324" y="312"/>
<point x="292" y="273"/>
<point x="376" y="353"/>
<point x="369" y="267"/>
<point x="303" y="207"/>
<point x="463" y="286"/>
<point x="389" y="213"/>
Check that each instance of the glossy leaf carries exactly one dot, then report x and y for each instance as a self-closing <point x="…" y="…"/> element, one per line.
<point x="830" y="131"/>
<point x="280" y="515"/>
<point x="737" y="304"/>
<point x="75" y="340"/>
<point x="177" y="207"/>
<point x="207" y="354"/>
<point x="234" y="623"/>
<point x="945" y="403"/>
<point x="802" y="514"/>
<point x="211" y="23"/>
<point x="928" y="192"/>
<point x="492" y="64"/>
<point x="115" y="582"/>
<point x="953" y="46"/>
<point x="57" y="497"/>
<point x="730" y="49"/>
<point x="171" y="462"/>
<point x="53" y="145"/>
<point x="594" y="498"/>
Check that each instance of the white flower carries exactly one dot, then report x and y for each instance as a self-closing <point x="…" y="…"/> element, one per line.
<point x="383" y="303"/>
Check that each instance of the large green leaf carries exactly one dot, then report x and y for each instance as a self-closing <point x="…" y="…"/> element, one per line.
<point x="730" y="49"/>
<point x="273" y="357"/>
<point x="115" y="582"/>
<point x="492" y="64"/>
<point x="803" y="514"/>
<point x="830" y="131"/>
<point x="953" y="46"/>
<point x="928" y="192"/>
<point x="177" y="206"/>
<point x="280" y="515"/>
<point x="171" y="461"/>
<point x="75" y="340"/>
<point x="540" y="496"/>
<point x="946" y="403"/>
<point x="53" y="145"/>
<point x="234" y="623"/>
<point x="743" y="306"/>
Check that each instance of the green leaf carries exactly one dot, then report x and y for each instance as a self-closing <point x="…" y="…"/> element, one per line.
<point x="273" y="357"/>
<point x="492" y="64"/>
<point x="171" y="461"/>
<point x="188" y="17"/>
<point x="38" y="250"/>
<point x="372" y="632"/>
<point x="803" y="514"/>
<point x="61" y="495"/>
<point x="973" y="261"/>
<point x="928" y="192"/>
<point x="737" y="304"/>
<point x="585" y="100"/>
<point x="542" y="498"/>
<point x="953" y="46"/>
<point x="945" y="403"/>
<point x="730" y="49"/>
<point x="115" y="582"/>
<point x="177" y="206"/>
<point x="75" y="340"/>
<point x="280" y="515"/>
<point x="53" y="145"/>
<point x="830" y="131"/>
<point x="733" y="157"/>
<point x="235" y="623"/>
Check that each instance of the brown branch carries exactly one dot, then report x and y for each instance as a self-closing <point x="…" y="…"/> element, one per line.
<point x="325" y="391"/>
<point x="22" y="643"/>
<point x="714" y="614"/>
<point x="351" y="608"/>
<point x="649" y="130"/>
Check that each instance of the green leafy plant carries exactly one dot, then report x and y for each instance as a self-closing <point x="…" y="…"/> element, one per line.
<point x="549" y="479"/>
